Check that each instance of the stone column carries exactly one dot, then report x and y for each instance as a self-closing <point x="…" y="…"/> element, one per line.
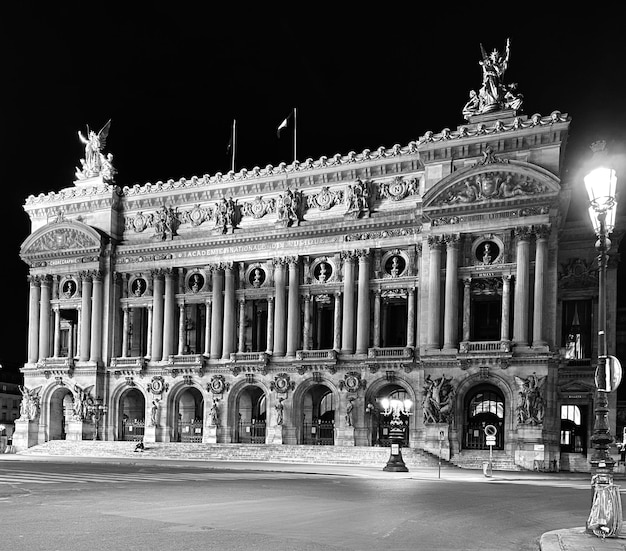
<point x="95" y="352"/>
<point x="306" y="330"/>
<point x="228" y="343"/>
<point x="293" y="310"/>
<point x="207" y="327"/>
<point x="410" y="322"/>
<point x="85" y="321"/>
<point x="541" y="267"/>
<point x="217" y="314"/>
<point x="347" y="332"/>
<point x="376" y="342"/>
<point x="337" y="322"/>
<point x="157" y="316"/>
<point x="44" y="318"/>
<point x="280" y="313"/>
<point x="125" y="311"/>
<point x="149" y="339"/>
<point x="169" y="314"/>
<point x="57" y="332"/>
<point x="450" y="336"/>
<point x="181" y="329"/>
<point x="242" y="326"/>
<point x="363" y="304"/>
<point x="506" y="308"/>
<point x="520" y="321"/>
<point x="270" y="325"/>
<point x="434" y="292"/>
<point x="70" y="341"/>
<point x="467" y="308"/>
<point x="33" y="319"/>
<point x="79" y="324"/>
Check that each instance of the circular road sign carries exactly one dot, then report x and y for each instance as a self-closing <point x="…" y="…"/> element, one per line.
<point x="490" y="430"/>
<point x="612" y="375"/>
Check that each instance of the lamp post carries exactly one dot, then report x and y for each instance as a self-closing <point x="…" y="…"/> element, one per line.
<point x="97" y="410"/>
<point x="601" y="187"/>
<point x="395" y="408"/>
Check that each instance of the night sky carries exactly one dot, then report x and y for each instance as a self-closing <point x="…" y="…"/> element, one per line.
<point x="172" y="79"/>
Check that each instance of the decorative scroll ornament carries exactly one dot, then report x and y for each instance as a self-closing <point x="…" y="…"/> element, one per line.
<point x="95" y="163"/>
<point x="531" y="408"/>
<point x="282" y="383"/>
<point x="258" y="208"/>
<point x="493" y="95"/>
<point x="352" y="382"/>
<point x="398" y="189"/>
<point x="325" y="199"/>
<point x="438" y="400"/>
<point x="218" y="385"/>
<point x="158" y="385"/>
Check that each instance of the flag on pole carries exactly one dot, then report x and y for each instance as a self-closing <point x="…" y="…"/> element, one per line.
<point x="284" y="124"/>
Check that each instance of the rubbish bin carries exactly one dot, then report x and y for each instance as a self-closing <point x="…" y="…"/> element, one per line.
<point x="605" y="518"/>
<point x="487" y="468"/>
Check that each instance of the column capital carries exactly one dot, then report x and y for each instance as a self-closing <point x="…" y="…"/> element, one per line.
<point x="362" y="254"/>
<point x="435" y="242"/>
<point x="541" y="232"/>
<point x="85" y="277"/>
<point x="522" y="233"/>
<point x="451" y="240"/>
<point x="348" y="256"/>
<point x="34" y="280"/>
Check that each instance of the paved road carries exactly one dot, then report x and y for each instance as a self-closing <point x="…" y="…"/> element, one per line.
<point x="67" y="505"/>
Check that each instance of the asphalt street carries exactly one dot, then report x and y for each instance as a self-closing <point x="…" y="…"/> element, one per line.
<point x="69" y="504"/>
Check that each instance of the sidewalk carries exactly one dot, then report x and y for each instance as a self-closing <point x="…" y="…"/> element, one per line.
<point x="576" y="539"/>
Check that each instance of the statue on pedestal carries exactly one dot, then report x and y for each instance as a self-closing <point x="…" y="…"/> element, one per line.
<point x="95" y="163"/>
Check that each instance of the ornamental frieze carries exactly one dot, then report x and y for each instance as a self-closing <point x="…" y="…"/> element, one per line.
<point x="384" y="234"/>
<point x="258" y="208"/>
<point x="488" y="186"/>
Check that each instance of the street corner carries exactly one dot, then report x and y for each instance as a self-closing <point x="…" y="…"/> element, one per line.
<point x="577" y="539"/>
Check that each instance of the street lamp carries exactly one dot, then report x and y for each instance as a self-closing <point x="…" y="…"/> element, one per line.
<point x="395" y="408"/>
<point x="97" y="410"/>
<point x="606" y="514"/>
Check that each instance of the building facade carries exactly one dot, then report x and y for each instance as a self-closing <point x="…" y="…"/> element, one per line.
<point x="283" y="304"/>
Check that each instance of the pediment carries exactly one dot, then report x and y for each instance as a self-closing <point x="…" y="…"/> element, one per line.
<point x="62" y="238"/>
<point x="493" y="184"/>
<point x="577" y="386"/>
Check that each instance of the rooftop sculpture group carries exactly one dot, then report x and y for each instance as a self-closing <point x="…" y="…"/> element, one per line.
<point x="493" y="94"/>
<point x="95" y="163"/>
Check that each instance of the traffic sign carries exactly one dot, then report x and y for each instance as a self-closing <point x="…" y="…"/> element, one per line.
<point x="491" y="440"/>
<point x="612" y="375"/>
<point x="490" y="430"/>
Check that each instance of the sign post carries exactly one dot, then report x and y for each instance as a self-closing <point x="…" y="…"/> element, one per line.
<point x="490" y="433"/>
<point x="441" y="437"/>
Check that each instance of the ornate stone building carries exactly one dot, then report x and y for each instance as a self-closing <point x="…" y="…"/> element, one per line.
<point x="282" y="304"/>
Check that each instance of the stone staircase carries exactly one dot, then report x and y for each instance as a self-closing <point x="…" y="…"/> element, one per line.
<point x="471" y="459"/>
<point x="345" y="455"/>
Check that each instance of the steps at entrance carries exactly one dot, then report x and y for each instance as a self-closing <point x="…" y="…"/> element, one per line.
<point x="471" y="459"/>
<point x="346" y="455"/>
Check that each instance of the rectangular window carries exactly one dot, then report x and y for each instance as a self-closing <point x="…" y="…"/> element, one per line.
<point x="576" y="334"/>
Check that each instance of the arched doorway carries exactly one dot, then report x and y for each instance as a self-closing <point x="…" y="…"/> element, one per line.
<point x="189" y="412"/>
<point x="318" y="416"/>
<point x="573" y="429"/>
<point x="484" y="406"/>
<point x="132" y="421"/>
<point x="379" y="422"/>
<point x="61" y="411"/>
<point x="252" y="416"/>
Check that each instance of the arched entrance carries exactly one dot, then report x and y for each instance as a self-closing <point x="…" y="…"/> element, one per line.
<point x="379" y="421"/>
<point x="189" y="412"/>
<point x="61" y="411"/>
<point x="132" y="413"/>
<point x="318" y="416"/>
<point x="484" y="405"/>
<point x="251" y="407"/>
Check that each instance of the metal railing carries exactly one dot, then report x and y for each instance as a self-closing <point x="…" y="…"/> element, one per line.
<point x="319" y="433"/>
<point x="251" y="433"/>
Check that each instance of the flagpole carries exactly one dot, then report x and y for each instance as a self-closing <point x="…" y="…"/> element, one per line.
<point x="295" y="133"/>
<point x="234" y="144"/>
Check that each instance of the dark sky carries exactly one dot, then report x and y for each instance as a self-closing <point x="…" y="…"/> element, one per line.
<point x="173" y="78"/>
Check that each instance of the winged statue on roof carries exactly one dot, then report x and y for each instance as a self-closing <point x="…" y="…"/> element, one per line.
<point x="494" y="94"/>
<point x="95" y="163"/>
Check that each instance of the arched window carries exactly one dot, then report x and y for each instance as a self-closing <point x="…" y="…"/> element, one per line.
<point x="573" y="429"/>
<point x="484" y="406"/>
